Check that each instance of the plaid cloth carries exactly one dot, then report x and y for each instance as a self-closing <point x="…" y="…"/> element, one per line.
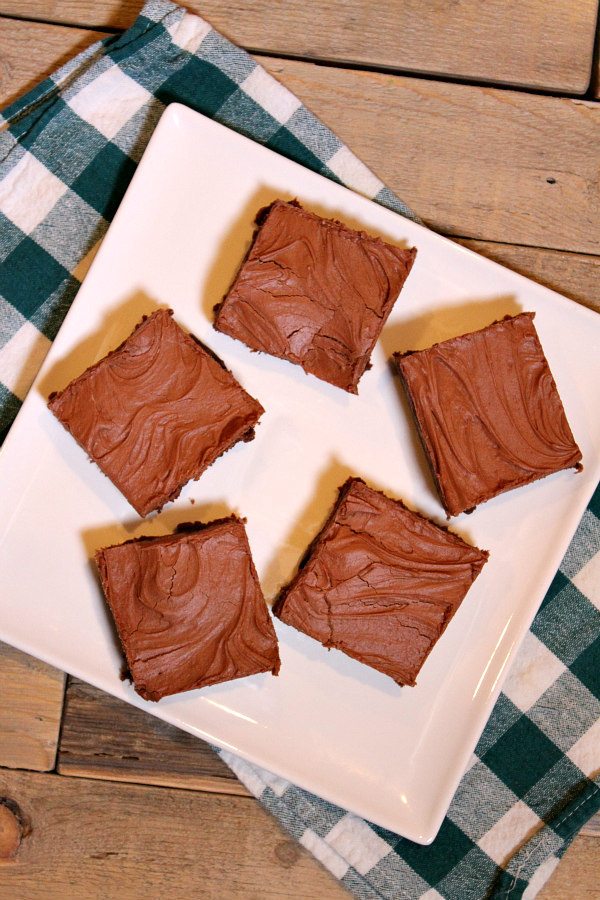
<point x="68" y="150"/>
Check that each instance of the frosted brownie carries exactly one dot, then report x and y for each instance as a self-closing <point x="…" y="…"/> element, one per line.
<point x="488" y="412"/>
<point x="314" y="292"/>
<point x="156" y="412"/>
<point x="189" y="609"/>
<point x="380" y="582"/>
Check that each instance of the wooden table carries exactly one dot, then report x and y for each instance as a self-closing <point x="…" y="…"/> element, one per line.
<point x="484" y="118"/>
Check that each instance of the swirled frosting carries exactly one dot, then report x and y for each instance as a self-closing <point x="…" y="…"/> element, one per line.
<point x="380" y="582"/>
<point x="189" y="609"/>
<point x="488" y="411"/>
<point x="314" y="292"/>
<point x="156" y="412"/>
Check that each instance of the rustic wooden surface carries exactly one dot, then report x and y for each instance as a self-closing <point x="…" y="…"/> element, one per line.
<point x="576" y="876"/>
<point x="510" y="174"/>
<point x="531" y="43"/>
<point x="574" y="274"/>
<point x="475" y="162"/>
<point x="30" y="50"/>
<point x="30" y="711"/>
<point x="97" y="840"/>
<point x="103" y="737"/>
<point x="592" y="829"/>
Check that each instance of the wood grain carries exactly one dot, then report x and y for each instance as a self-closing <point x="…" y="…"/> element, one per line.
<point x="30" y="711"/>
<point x="577" y="876"/>
<point x="93" y="840"/>
<point x="592" y="829"/>
<point x="531" y="42"/>
<point x="459" y="154"/>
<point x="103" y="737"/>
<point x="30" y="51"/>
<point x="474" y="162"/>
<point x="96" y="840"/>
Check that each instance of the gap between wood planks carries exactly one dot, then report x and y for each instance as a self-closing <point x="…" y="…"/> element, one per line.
<point x="522" y="42"/>
<point x="590" y="94"/>
<point x="82" y="838"/>
<point x="510" y="167"/>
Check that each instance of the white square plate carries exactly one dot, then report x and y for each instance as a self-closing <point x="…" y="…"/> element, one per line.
<point x="327" y="723"/>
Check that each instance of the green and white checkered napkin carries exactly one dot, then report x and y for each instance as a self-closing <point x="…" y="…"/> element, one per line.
<point x="67" y="152"/>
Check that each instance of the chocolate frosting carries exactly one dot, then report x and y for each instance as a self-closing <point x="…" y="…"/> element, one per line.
<point x="156" y="412"/>
<point x="488" y="411"/>
<point x="380" y="582"/>
<point x="189" y="609"/>
<point x="314" y="292"/>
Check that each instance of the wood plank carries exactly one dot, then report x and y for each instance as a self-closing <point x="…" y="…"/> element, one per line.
<point x="103" y="737"/>
<point x="76" y="838"/>
<point x="592" y="828"/>
<point x="30" y="711"/>
<point x="30" y="51"/>
<point x="91" y="839"/>
<point x="577" y="876"/>
<point x="595" y="85"/>
<point x="576" y="275"/>
<point x="474" y="162"/>
<point x="520" y="42"/>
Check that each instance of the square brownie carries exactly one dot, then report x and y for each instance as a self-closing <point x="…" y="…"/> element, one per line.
<point x="380" y="582"/>
<point x="314" y="292"/>
<point x="188" y="608"/>
<point x="156" y="412"/>
<point x="488" y="412"/>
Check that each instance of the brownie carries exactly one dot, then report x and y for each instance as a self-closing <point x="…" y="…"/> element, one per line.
<point x="188" y="608"/>
<point x="488" y="412"/>
<point x="314" y="292"/>
<point x="156" y="412"/>
<point x="380" y="582"/>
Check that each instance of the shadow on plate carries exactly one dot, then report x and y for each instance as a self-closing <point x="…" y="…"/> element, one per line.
<point x="157" y="525"/>
<point x="283" y="565"/>
<point x="446" y="321"/>
<point x="234" y="248"/>
<point x="236" y="244"/>
<point x="116" y="326"/>
<point x="327" y="212"/>
<point x="97" y="538"/>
